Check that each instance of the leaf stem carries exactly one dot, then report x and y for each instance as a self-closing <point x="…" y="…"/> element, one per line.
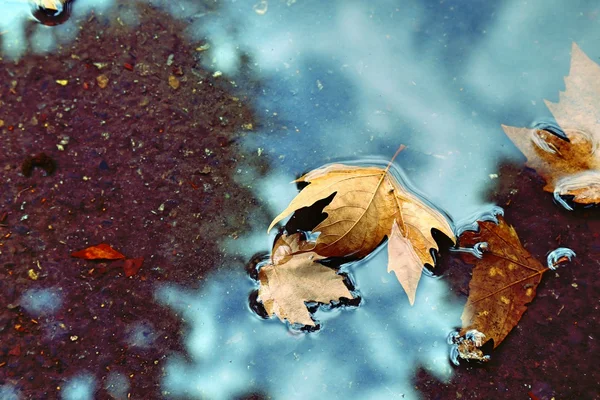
<point x="402" y="147"/>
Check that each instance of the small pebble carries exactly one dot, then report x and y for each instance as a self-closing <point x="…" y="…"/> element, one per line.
<point x="173" y="82"/>
<point x="102" y="81"/>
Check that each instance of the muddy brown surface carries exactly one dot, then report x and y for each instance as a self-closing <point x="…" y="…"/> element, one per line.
<point x="550" y="354"/>
<point x="144" y="145"/>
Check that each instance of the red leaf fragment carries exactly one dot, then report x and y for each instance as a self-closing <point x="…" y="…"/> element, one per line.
<point x="128" y="66"/>
<point x="15" y="351"/>
<point x="532" y="396"/>
<point x="99" y="252"/>
<point x="131" y="266"/>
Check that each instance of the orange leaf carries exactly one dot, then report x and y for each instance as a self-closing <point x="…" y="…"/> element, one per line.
<point x="99" y="252"/>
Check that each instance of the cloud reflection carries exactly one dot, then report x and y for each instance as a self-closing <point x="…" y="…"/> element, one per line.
<point x="361" y="352"/>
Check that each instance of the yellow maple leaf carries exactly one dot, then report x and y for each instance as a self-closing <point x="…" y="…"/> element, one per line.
<point x="370" y="205"/>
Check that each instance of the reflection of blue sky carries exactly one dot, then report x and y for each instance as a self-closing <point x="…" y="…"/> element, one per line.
<point x="440" y="78"/>
<point x="81" y="387"/>
<point x="41" y="302"/>
<point x="365" y="352"/>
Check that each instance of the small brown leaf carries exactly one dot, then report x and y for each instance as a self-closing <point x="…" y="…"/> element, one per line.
<point x="99" y="252"/>
<point x="504" y="282"/>
<point x="572" y="166"/>
<point x="131" y="266"/>
<point x="295" y="277"/>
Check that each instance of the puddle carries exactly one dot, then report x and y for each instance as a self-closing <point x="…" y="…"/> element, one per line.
<point x="329" y="81"/>
<point x="370" y="351"/>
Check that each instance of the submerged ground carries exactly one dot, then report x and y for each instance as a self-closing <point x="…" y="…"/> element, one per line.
<point x="147" y="149"/>
<point x="143" y="164"/>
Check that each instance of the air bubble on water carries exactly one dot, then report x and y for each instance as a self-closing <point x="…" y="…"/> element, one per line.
<point x="559" y="256"/>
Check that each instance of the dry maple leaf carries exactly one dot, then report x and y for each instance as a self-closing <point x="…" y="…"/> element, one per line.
<point x="503" y="283"/>
<point x="294" y="277"/>
<point x="370" y="205"/>
<point x="572" y="166"/>
<point x="99" y="252"/>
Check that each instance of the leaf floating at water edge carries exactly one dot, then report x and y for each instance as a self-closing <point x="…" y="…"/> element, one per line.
<point x="98" y="252"/>
<point x="570" y="166"/>
<point x="293" y="278"/>
<point x="503" y="283"/>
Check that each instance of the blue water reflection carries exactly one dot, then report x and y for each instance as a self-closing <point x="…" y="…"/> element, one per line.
<point x="366" y="352"/>
<point x="348" y="79"/>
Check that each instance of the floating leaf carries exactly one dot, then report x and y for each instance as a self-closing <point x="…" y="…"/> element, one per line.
<point x="571" y="164"/>
<point x="99" y="252"/>
<point x="294" y="277"/>
<point x="504" y="282"/>
<point x="369" y="205"/>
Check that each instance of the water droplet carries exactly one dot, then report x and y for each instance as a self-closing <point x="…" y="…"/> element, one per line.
<point x="559" y="256"/>
<point x="476" y="251"/>
<point x="51" y="12"/>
